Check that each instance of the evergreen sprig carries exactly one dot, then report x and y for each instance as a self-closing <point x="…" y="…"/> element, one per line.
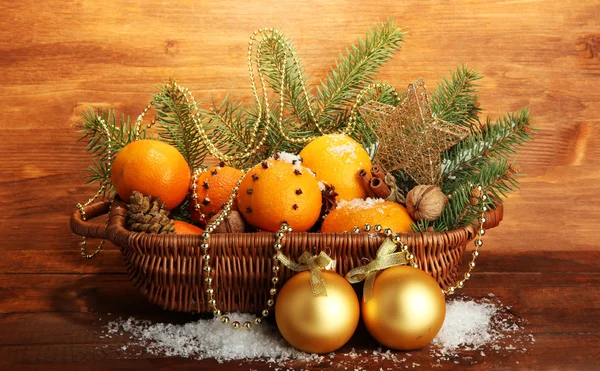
<point x="231" y="128"/>
<point x="118" y="134"/>
<point x="296" y="102"/>
<point x="480" y="159"/>
<point x="455" y="99"/>
<point x="336" y="94"/>
<point x="494" y="141"/>
<point x="497" y="177"/>
<point x="354" y="71"/>
<point x="176" y="126"/>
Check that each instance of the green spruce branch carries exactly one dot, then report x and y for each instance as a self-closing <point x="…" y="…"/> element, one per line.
<point x="497" y="177"/>
<point x="175" y="124"/>
<point x="354" y="71"/>
<point x="480" y="159"/>
<point x="105" y="137"/>
<point x="455" y="99"/>
<point x="276" y="58"/>
<point x="501" y="139"/>
<point x="231" y="128"/>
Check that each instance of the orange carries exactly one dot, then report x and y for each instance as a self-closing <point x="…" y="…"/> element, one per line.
<point x="276" y="191"/>
<point x="214" y="187"/>
<point x="337" y="159"/>
<point x="182" y="227"/>
<point x="359" y="212"/>
<point x="153" y="168"/>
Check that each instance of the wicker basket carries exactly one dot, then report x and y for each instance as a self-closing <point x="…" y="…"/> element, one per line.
<point x="167" y="269"/>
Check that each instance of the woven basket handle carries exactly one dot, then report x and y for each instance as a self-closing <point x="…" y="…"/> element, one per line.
<point x="85" y="228"/>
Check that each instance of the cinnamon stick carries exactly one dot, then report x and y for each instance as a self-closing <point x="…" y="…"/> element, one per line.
<point x="380" y="189"/>
<point x="365" y="178"/>
<point x="378" y="172"/>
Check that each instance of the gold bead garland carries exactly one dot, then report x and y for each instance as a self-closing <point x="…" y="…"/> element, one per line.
<point x="377" y="228"/>
<point x="477" y="243"/>
<point x="101" y="189"/>
<point x="397" y="240"/>
<point x="81" y="207"/>
<point x="210" y="292"/>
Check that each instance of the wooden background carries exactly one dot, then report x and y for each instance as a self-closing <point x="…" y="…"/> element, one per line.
<point x="59" y="57"/>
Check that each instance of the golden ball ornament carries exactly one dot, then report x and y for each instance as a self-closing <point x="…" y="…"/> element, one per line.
<point x="407" y="309"/>
<point x="317" y="324"/>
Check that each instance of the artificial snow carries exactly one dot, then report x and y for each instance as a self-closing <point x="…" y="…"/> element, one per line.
<point x="343" y="150"/>
<point x="480" y="326"/>
<point x="341" y="147"/>
<point x="360" y="204"/>
<point x="295" y="160"/>
<point x="289" y="158"/>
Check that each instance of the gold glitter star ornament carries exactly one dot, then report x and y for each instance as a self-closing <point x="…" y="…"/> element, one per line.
<point x="410" y="137"/>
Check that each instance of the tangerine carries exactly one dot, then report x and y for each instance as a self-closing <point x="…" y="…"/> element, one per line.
<point x="359" y="212"/>
<point x="153" y="168"/>
<point x="182" y="227"/>
<point x="213" y="188"/>
<point x="337" y="159"/>
<point x="276" y="191"/>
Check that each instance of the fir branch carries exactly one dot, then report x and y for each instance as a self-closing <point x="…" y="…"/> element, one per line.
<point x="480" y="159"/>
<point x="497" y="177"/>
<point x="99" y="136"/>
<point x="230" y="128"/>
<point x="274" y="53"/>
<point x="174" y="117"/>
<point x="354" y="71"/>
<point x="99" y="171"/>
<point x="455" y="99"/>
<point x="500" y="139"/>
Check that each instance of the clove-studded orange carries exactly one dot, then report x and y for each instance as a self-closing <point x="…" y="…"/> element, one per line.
<point x="213" y="189"/>
<point x="276" y="191"/>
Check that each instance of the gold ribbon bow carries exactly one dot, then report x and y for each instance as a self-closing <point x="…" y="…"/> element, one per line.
<point x="313" y="263"/>
<point x="386" y="258"/>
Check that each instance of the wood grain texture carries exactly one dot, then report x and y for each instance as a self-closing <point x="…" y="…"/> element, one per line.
<point x="59" y="57"/>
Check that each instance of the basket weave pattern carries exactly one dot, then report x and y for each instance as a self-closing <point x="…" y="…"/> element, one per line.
<point x="167" y="269"/>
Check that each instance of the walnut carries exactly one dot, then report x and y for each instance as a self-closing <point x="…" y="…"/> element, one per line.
<point x="233" y="224"/>
<point x="426" y="202"/>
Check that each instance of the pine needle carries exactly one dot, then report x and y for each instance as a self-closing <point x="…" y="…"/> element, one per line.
<point x="355" y="70"/>
<point x="104" y="141"/>
<point x="455" y="99"/>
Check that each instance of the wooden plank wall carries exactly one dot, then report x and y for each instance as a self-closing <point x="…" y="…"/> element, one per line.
<point x="58" y="57"/>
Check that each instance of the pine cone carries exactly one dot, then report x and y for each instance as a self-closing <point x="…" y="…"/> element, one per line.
<point x="148" y="215"/>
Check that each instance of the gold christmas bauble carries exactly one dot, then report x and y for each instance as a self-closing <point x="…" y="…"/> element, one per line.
<point x="407" y="309"/>
<point x="318" y="324"/>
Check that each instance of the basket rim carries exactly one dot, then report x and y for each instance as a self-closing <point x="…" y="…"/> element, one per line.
<point x="120" y="236"/>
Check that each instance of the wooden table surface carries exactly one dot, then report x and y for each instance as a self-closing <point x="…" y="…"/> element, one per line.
<point x="59" y="57"/>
